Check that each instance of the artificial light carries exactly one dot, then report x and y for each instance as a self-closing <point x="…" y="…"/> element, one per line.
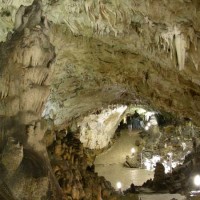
<point x="119" y="185"/>
<point x="197" y="180"/>
<point x="132" y="150"/>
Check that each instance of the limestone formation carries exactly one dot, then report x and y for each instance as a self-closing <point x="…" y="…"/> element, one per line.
<point x="159" y="176"/>
<point x="72" y="170"/>
<point x="97" y="130"/>
<point x="12" y="156"/>
<point x="25" y="68"/>
<point x="69" y="60"/>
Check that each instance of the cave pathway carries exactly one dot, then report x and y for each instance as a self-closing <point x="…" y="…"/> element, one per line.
<point x="110" y="165"/>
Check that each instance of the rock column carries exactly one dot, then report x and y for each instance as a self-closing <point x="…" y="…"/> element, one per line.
<point x="25" y="72"/>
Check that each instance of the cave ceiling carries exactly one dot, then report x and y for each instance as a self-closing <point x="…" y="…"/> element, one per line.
<point x="119" y="52"/>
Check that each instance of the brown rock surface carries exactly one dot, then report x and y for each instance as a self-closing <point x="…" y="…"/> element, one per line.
<point x="77" y="179"/>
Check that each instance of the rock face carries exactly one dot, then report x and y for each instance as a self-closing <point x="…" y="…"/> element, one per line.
<point x="123" y="52"/>
<point x="145" y="28"/>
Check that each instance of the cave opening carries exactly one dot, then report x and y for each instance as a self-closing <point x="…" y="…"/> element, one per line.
<point x="133" y="155"/>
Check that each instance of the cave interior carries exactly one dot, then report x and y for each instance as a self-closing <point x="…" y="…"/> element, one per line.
<point x="99" y="99"/>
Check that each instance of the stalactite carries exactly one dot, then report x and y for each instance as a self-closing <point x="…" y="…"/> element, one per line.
<point x="180" y="45"/>
<point x="11" y="106"/>
<point x="36" y="75"/>
<point x="4" y="85"/>
<point x="177" y="43"/>
<point x="195" y="57"/>
<point x="18" y="17"/>
<point x="106" y="18"/>
<point x="32" y="99"/>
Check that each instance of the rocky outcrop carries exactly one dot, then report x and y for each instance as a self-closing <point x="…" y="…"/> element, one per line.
<point x="159" y="177"/>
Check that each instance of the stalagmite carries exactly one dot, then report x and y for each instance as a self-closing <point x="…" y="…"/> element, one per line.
<point x="23" y="93"/>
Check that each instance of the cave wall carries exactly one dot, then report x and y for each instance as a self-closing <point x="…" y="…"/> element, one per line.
<point x="74" y="169"/>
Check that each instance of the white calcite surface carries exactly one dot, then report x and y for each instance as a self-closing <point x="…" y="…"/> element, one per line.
<point x="96" y="130"/>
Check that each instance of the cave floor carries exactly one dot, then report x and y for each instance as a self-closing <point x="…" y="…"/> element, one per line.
<point x="110" y="165"/>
